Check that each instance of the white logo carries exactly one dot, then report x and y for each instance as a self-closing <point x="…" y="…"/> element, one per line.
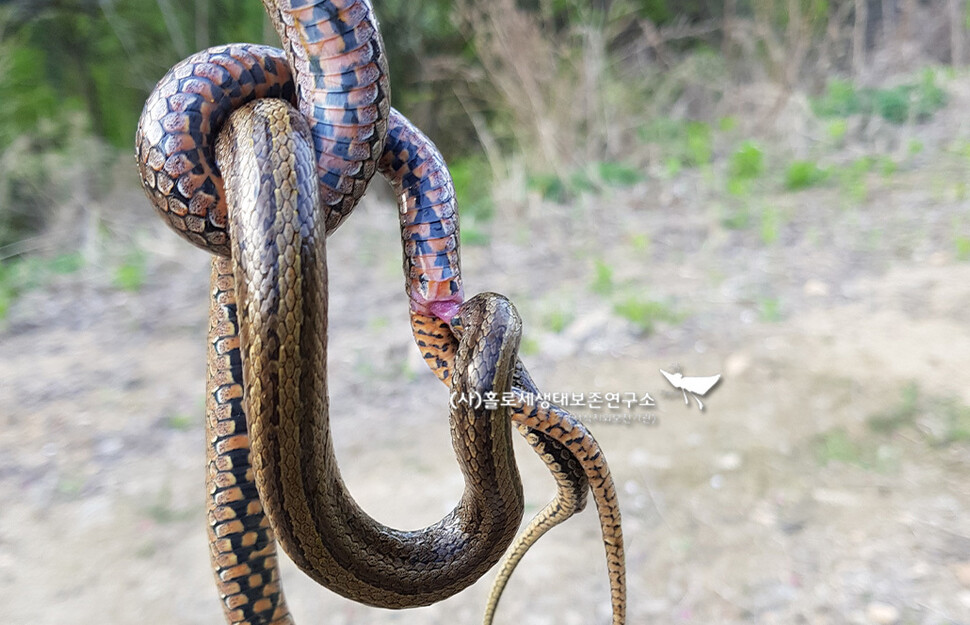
<point x="694" y="386"/>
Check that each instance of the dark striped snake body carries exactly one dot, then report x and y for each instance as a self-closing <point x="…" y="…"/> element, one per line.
<point x="222" y="149"/>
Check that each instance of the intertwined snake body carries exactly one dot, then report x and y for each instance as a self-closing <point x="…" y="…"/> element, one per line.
<point x="271" y="464"/>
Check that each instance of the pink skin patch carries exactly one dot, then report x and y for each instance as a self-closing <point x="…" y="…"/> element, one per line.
<point x="444" y="310"/>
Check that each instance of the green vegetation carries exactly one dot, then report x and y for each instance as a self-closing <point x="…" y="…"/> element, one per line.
<point x="602" y="278"/>
<point x="529" y="346"/>
<point x="836" y="446"/>
<point x="769" y="309"/>
<point x="181" y="422"/>
<point x="836" y="130"/>
<point x="645" y="314"/>
<point x="852" y="178"/>
<point x="770" y="225"/>
<point x="684" y="143"/>
<point x="956" y="423"/>
<point x="699" y="143"/>
<point x="131" y="273"/>
<point x="550" y="187"/>
<point x="618" y="174"/>
<point x="747" y="162"/>
<point x="640" y="242"/>
<point x="736" y="218"/>
<point x="939" y="421"/>
<point x="745" y="165"/>
<point x="901" y="415"/>
<point x="557" y="320"/>
<point x="961" y="246"/>
<point x="898" y="105"/>
<point x="804" y="174"/>
<point x="472" y="178"/>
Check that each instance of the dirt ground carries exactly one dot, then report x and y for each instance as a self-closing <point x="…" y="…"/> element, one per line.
<point x="825" y="482"/>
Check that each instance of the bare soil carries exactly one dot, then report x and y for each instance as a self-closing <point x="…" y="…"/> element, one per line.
<point x="826" y="481"/>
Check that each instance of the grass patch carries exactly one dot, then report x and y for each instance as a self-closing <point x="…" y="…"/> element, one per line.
<point x="836" y="130"/>
<point x="528" y="346"/>
<point x="699" y="143"/>
<point x="769" y="309"/>
<point x="916" y="101"/>
<point x="736" y="218"/>
<point x="901" y="415"/>
<point x="471" y="233"/>
<point x="602" y="278"/>
<point x="770" y="225"/>
<point x="887" y="167"/>
<point x="745" y="165"/>
<point x="640" y="242"/>
<point x="940" y="421"/>
<point x="618" y="174"/>
<point x="804" y="174"/>
<point x="472" y="179"/>
<point x="747" y="162"/>
<point x="836" y="446"/>
<point x="645" y="314"/>
<point x="549" y="186"/>
<point x="852" y="178"/>
<point x="180" y="422"/>
<point x="682" y="143"/>
<point x="130" y="275"/>
<point x="557" y="320"/>
<point x="961" y="247"/>
<point x="956" y="423"/>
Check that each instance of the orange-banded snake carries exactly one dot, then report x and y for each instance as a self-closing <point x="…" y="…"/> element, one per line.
<point x="275" y="475"/>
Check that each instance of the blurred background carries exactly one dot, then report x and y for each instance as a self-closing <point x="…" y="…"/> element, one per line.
<point x="771" y="190"/>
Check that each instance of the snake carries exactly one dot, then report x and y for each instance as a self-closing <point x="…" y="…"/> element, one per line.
<point x="271" y="473"/>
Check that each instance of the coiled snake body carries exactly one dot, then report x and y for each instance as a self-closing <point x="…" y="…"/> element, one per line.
<point x="272" y="473"/>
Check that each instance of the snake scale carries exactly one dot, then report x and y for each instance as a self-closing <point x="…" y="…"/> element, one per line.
<point x="220" y="126"/>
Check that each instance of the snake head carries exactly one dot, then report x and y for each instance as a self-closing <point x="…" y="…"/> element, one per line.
<point x="487" y="313"/>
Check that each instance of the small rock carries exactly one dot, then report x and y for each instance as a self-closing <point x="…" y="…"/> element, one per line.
<point x="588" y="326"/>
<point x="815" y="288"/>
<point x="556" y="346"/>
<point x="834" y="497"/>
<point x="962" y="571"/>
<point x="728" y="462"/>
<point x="882" y="613"/>
<point x="736" y="364"/>
<point x="643" y="459"/>
<point x="964" y="598"/>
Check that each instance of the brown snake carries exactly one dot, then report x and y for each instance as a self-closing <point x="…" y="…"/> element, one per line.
<point x="277" y="275"/>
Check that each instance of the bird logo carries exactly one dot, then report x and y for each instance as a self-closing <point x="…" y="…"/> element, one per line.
<point x="696" y="386"/>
